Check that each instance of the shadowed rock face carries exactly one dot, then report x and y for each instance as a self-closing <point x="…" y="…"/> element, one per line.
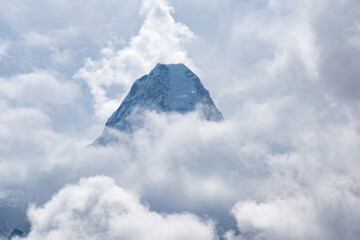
<point x="167" y="88"/>
<point x="13" y="216"/>
<point x="16" y="233"/>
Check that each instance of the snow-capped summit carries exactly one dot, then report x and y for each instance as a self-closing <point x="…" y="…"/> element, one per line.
<point x="167" y="88"/>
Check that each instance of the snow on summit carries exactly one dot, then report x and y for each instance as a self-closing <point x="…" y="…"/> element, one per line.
<point x="167" y="88"/>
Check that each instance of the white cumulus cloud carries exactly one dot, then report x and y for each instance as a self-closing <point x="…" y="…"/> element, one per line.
<point x="160" y="39"/>
<point x="96" y="208"/>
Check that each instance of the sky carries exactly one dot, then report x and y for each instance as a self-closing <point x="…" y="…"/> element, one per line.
<point x="284" y="164"/>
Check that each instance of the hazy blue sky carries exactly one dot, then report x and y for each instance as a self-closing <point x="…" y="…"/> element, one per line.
<point x="284" y="165"/>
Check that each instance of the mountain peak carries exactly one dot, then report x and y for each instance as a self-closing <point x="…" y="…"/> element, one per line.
<point x="167" y="88"/>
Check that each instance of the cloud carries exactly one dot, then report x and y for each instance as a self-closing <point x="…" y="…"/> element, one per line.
<point x="265" y="49"/>
<point x="3" y="49"/>
<point x="297" y="218"/>
<point x="98" y="209"/>
<point x="160" y="39"/>
<point x="293" y="218"/>
<point x="38" y="40"/>
<point x="51" y="43"/>
<point x="76" y="30"/>
<point x="38" y="88"/>
<point x="209" y="167"/>
<point x="29" y="106"/>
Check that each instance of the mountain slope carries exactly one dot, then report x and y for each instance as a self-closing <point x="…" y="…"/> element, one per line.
<point x="167" y="88"/>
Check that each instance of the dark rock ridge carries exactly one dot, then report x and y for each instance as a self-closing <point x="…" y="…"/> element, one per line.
<point x="16" y="233"/>
<point x="167" y="88"/>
